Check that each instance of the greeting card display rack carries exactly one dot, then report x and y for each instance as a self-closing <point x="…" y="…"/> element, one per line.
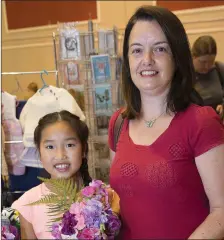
<point x="91" y="72"/>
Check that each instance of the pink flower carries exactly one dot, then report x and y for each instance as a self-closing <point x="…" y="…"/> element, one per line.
<point x="96" y="183"/>
<point x="75" y="209"/>
<point x="88" y="191"/>
<point x="89" y="233"/>
<point x="81" y="222"/>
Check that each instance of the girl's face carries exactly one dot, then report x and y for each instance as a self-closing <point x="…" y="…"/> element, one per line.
<point x="60" y="150"/>
<point x="150" y="58"/>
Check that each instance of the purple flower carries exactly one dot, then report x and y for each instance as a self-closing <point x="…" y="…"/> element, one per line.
<point x="14" y="231"/>
<point x="92" y="212"/>
<point x="56" y="231"/>
<point x="103" y="218"/>
<point x="113" y="225"/>
<point x="68" y="223"/>
<point x="89" y="233"/>
<point x="9" y="236"/>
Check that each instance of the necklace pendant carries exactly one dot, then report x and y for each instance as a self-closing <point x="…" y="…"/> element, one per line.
<point x="150" y="123"/>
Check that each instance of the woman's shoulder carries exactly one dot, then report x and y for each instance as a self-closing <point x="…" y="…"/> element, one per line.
<point x="112" y="127"/>
<point x="197" y="113"/>
<point x="115" y="115"/>
<point x="197" y="119"/>
<point x="203" y="128"/>
<point x="220" y="66"/>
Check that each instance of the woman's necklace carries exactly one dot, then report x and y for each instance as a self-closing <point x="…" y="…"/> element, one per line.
<point x="150" y="123"/>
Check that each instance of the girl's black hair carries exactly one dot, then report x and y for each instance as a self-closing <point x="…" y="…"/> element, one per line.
<point x="79" y="127"/>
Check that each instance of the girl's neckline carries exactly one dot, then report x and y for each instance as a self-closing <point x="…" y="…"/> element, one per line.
<point x="157" y="139"/>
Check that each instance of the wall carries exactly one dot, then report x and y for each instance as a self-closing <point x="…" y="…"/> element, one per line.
<point x="47" y="12"/>
<point x="183" y="5"/>
<point x="31" y="49"/>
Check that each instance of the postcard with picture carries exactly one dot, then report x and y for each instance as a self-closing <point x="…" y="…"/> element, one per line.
<point x="107" y="41"/>
<point x="103" y="101"/>
<point x="70" y="44"/>
<point x="101" y="68"/>
<point x="71" y="73"/>
<point x="87" y="45"/>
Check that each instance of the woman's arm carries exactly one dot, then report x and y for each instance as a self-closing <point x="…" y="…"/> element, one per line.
<point x="27" y="231"/>
<point x="211" y="169"/>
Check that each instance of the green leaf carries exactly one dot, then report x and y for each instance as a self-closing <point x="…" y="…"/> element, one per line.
<point x="47" y="199"/>
<point x="63" y="194"/>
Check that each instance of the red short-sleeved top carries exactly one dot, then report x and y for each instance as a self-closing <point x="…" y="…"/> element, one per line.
<point x="161" y="192"/>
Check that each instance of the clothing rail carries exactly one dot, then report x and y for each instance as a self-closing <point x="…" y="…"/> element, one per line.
<point x="19" y="141"/>
<point x="23" y="73"/>
<point x="33" y="72"/>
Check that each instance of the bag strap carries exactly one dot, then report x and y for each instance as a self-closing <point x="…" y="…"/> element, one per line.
<point x="221" y="77"/>
<point x="117" y="129"/>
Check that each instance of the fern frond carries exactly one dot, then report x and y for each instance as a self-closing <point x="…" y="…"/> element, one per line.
<point x="63" y="194"/>
<point x="53" y="220"/>
<point x="59" y="186"/>
<point x="55" y="214"/>
<point x="47" y="199"/>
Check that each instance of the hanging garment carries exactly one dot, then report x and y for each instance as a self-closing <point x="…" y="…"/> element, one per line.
<point x="9" y="105"/>
<point x="13" y="132"/>
<point x="31" y="158"/>
<point x="48" y="100"/>
<point x="13" y="151"/>
<point x="4" y="165"/>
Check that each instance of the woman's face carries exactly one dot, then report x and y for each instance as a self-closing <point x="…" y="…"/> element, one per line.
<point x="204" y="64"/>
<point x="60" y="150"/>
<point x="150" y="58"/>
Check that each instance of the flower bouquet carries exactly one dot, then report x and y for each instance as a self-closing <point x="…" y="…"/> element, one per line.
<point x="10" y="227"/>
<point x="88" y="216"/>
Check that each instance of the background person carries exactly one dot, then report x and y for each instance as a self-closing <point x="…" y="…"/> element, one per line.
<point x="209" y="73"/>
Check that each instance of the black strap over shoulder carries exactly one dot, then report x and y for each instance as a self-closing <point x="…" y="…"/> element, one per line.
<point x="221" y="77"/>
<point x="117" y="129"/>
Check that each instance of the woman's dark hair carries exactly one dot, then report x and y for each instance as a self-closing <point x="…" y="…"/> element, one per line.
<point x="79" y="127"/>
<point x="181" y="92"/>
<point x="204" y="45"/>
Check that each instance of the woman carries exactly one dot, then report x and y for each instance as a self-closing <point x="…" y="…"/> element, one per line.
<point x="209" y="74"/>
<point x="169" y="161"/>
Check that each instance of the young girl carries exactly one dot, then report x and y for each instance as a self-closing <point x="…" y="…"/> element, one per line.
<point x="61" y="139"/>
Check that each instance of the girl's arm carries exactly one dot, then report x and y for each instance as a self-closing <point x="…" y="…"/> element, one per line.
<point x="211" y="169"/>
<point x="27" y="231"/>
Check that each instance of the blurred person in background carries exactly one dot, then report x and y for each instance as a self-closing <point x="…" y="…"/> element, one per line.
<point x="31" y="89"/>
<point x="209" y="73"/>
